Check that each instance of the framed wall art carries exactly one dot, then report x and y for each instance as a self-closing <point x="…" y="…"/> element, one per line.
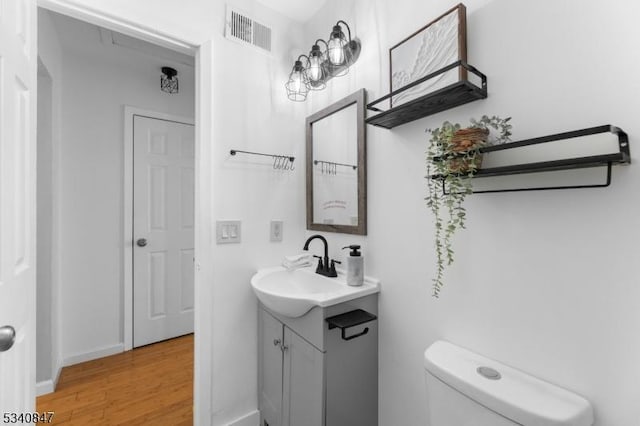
<point x="441" y="42"/>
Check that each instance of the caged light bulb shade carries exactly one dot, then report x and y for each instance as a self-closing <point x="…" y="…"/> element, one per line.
<point x="336" y="51"/>
<point x="336" y="46"/>
<point x="297" y="86"/>
<point x="315" y="71"/>
<point x="296" y="81"/>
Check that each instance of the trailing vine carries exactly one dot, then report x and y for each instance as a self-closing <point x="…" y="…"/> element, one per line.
<point x="449" y="173"/>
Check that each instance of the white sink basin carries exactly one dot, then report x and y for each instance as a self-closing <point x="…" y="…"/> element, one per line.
<point x="294" y="293"/>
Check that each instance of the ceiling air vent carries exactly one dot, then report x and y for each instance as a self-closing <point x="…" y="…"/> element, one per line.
<point x="244" y="29"/>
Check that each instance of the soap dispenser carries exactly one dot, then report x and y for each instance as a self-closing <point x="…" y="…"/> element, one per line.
<point x="355" y="266"/>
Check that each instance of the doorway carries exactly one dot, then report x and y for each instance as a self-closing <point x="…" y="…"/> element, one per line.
<point x="102" y="72"/>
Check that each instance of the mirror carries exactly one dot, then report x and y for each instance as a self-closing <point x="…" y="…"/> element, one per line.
<point x="336" y="167"/>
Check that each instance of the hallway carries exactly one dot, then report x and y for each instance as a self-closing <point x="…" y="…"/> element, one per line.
<point x="148" y="385"/>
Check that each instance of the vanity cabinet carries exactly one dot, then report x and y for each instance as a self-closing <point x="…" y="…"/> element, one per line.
<point x="310" y="376"/>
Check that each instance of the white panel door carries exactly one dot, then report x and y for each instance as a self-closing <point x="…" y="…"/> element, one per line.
<point x="18" y="65"/>
<point x="163" y="219"/>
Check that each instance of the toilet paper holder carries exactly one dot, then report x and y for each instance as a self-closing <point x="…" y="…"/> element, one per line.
<point x="351" y="319"/>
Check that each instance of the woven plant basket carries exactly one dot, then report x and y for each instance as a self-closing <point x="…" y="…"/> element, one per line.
<point x="466" y="140"/>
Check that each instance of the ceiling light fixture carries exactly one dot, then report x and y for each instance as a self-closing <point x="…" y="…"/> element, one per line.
<point x="339" y="53"/>
<point x="169" y="80"/>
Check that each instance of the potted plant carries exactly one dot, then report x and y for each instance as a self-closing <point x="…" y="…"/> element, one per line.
<point x="452" y="159"/>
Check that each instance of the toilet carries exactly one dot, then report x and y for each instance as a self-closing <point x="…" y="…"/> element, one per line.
<point x="467" y="389"/>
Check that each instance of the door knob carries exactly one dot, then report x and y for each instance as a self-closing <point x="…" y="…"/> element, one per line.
<point x="141" y="242"/>
<point x="7" y="337"/>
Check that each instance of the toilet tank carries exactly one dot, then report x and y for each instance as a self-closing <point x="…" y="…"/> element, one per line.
<point x="467" y="389"/>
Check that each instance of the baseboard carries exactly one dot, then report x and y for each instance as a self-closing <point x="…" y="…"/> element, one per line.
<point x="48" y="386"/>
<point x="88" y="356"/>
<point x="250" y="419"/>
<point x="44" y="387"/>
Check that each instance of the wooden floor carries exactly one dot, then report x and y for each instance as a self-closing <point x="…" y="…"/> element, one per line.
<point x="152" y="385"/>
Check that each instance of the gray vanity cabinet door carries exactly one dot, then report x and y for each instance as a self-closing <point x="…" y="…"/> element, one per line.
<point x="303" y="382"/>
<point x="270" y="370"/>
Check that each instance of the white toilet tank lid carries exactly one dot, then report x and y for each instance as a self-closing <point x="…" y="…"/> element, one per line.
<point x="515" y="395"/>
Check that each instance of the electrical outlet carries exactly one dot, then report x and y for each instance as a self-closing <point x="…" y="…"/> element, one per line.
<point x="276" y="231"/>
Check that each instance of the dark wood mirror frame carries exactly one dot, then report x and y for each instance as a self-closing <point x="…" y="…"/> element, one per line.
<point x="358" y="98"/>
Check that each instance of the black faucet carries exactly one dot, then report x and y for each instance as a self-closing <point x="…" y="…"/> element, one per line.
<point x="323" y="267"/>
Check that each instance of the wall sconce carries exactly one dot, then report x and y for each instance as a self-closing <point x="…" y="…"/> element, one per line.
<point x="169" y="80"/>
<point x="312" y="71"/>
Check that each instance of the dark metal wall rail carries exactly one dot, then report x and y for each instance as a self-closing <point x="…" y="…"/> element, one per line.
<point x="280" y="162"/>
<point x="331" y="167"/>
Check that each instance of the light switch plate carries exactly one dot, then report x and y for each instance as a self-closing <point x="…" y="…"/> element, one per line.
<point x="228" y="231"/>
<point x="276" y="231"/>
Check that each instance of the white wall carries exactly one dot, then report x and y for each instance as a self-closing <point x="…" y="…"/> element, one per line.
<point x="251" y="113"/>
<point x="543" y="281"/>
<point x="97" y="82"/>
<point x="45" y="228"/>
<point x="49" y="353"/>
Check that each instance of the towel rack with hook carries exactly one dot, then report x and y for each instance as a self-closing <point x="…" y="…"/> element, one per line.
<point x="330" y="167"/>
<point x="280" y="162"/>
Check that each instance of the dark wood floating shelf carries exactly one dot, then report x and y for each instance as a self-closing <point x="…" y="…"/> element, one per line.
<point x="623" y="156"/>
<point x="456" y="94"/>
